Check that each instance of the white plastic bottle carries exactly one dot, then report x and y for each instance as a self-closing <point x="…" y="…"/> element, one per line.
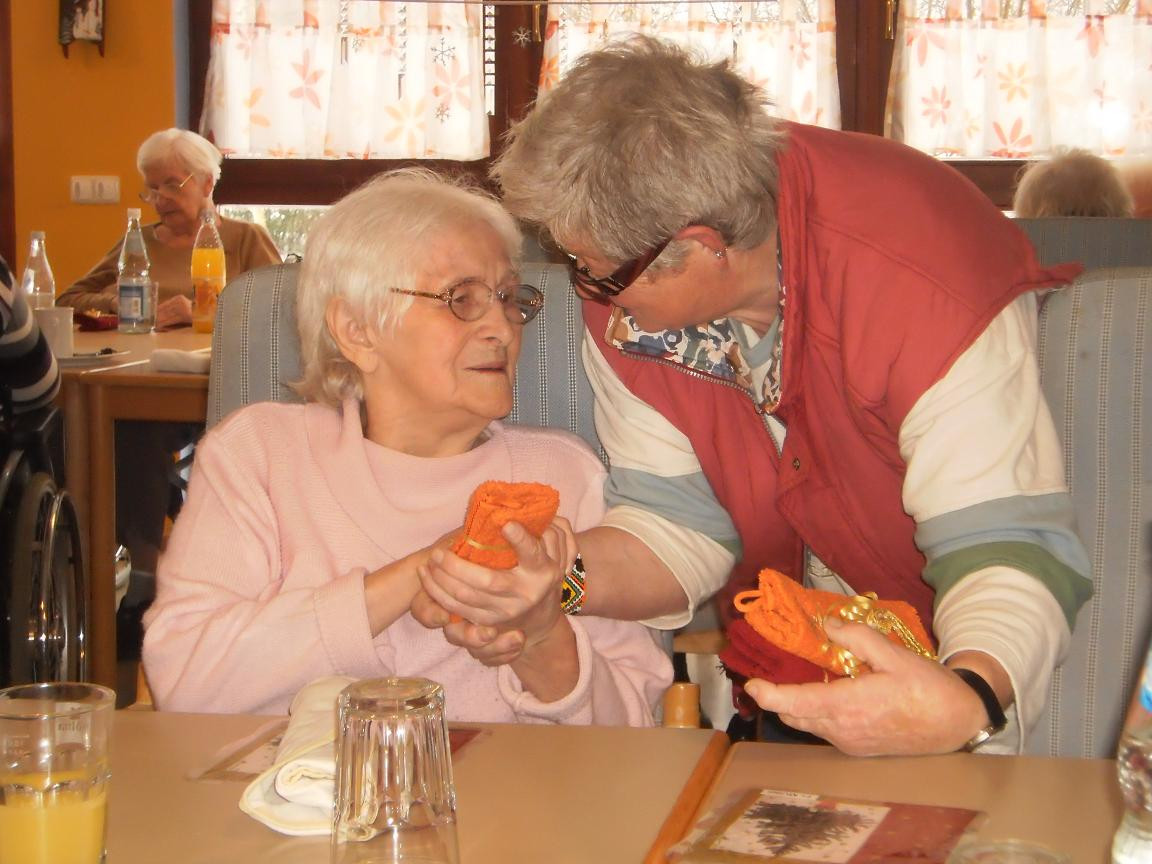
<point x="38" y="282"/>
<point x="137" y="303"/>
<point x="1133" y="841"/>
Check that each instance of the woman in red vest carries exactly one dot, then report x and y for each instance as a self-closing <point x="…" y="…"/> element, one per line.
<point x="812" y="351"/>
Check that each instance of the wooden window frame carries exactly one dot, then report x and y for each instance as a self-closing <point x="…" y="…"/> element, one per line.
<point x="864" y="59"/>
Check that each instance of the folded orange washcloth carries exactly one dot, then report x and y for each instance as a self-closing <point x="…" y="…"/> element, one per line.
<point x="790" y="617"/>
<point x="494" y="504"/>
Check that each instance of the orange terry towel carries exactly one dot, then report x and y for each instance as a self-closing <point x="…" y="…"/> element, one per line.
<point x="789" y="617"/>
<point x="494" y="504"/>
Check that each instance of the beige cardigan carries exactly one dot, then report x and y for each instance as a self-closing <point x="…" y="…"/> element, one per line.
<point x="246" y="247"/>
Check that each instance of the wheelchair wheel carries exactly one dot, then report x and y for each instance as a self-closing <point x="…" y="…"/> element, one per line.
<point x="45" y="599"/>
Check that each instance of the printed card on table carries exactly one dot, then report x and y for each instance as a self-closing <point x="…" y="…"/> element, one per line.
<point x="805" y="828"/>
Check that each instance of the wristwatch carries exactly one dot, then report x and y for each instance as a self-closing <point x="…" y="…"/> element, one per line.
<point x="996" y="719"/>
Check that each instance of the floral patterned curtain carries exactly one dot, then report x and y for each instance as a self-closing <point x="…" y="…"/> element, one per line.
<point x="787" y="47"/>
<point x="346" y="79"/>
<point x="1017" y="78"/>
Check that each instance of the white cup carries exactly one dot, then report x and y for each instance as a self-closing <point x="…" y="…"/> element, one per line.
<point x="56" y="325"/>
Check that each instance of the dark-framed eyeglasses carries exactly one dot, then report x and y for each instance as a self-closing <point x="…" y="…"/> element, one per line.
<point x="149" y="194"/>
<point x="601" y="288"/>
<point x="469" y="301"/>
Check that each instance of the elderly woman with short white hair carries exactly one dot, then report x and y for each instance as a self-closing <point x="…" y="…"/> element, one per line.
<point x="307" y="527"/>
<point x="179" y="170"/>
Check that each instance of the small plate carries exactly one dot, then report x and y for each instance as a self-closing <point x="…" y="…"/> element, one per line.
<point x="89" y="358"/>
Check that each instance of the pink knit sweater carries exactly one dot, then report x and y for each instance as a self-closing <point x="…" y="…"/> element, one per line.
<point x="261" y="589"/>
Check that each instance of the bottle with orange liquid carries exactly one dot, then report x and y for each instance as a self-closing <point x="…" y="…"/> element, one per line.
<point x="208" y="276"/>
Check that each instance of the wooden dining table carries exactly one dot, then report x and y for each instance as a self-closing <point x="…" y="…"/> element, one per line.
<point x="1069" y="805"/>
<point x="95" y="393"/>
<point x="578" y="794"/>
<point x="525" y="793"/>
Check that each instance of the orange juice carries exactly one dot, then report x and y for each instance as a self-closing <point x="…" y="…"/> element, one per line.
<point x="65" y="826"/>
<point x="208" y="281"/>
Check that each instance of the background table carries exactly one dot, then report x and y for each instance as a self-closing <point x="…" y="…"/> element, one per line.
<point x="525" y="794"/>
<point x="94" y="398"/>
<point x="1072" y="805"/>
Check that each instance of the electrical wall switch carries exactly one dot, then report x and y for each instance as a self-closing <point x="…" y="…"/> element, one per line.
<point x="94" y="189"/>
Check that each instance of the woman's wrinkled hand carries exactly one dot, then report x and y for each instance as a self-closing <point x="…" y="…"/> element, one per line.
<point x="502" y="611"/>
<point x="906" y="705"/>
<point x="174" y="312"/>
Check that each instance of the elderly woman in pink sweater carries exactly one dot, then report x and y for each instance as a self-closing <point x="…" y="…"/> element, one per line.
<point x="307" y="527"/>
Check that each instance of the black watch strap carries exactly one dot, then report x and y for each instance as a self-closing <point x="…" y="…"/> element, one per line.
<point x="996" y="719"/>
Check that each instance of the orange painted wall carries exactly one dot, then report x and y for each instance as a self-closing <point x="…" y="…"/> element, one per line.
<point x="84" y="115"/>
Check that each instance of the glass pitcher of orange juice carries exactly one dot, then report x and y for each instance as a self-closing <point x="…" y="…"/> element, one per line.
<point x="208" y="272"/>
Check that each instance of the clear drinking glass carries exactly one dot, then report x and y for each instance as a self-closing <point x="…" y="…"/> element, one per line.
<point x="395" y="801"/>
<point x="54" y="772"/>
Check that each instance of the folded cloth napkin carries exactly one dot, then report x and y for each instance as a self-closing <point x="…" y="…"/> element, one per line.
<point x="295" y="795"/>
<point x="782" y="638"/>
<point x="494" y="504"/>
<point x="171" y="360"/>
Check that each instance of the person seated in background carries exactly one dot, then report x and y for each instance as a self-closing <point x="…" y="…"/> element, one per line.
<point x="1137" y="177"/>
<point x="179" y="169"/>
<point x="1073" y="182"/>
<point x="802" y="362"/>
<point x="29" y="376"/>
<point x="299" y="550"/>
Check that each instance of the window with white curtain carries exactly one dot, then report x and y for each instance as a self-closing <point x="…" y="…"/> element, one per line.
<point x="347" y="79"/>
<point x="787" y="47"/>
<point x="1018" y="78"/>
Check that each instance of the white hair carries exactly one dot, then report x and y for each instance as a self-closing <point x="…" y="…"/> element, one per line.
<point x="379" y="237"/>
<point x="196" y="153"/>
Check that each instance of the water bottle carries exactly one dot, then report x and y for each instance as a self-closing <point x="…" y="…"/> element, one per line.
<point x="208" y="272"/>
<point x="38" y="283"/>
<point x="1133" y="841"/>
<point x="137" y="302"/>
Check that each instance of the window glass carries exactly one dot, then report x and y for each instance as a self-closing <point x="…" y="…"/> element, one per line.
<point x="287" y="223"/>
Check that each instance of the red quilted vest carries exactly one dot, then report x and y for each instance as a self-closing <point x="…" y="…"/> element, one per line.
<point x="893" y="264"/>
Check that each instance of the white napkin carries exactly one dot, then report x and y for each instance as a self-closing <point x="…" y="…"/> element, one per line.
<point x="171" y="360"/>
<point x="295" y="795"/>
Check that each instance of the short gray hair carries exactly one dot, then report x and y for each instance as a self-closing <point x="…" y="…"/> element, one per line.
<point x="198" y="154"/>
<point x="639" y="140"/>
<point x="1073" y="182"/>
<point x="377" y="238"/>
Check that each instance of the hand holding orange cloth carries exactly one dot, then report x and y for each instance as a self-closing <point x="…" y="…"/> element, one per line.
<point x="492" y="506"/>
<point x="789" y="619"/>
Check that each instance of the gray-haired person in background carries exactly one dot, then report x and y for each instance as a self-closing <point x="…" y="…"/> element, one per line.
<point x="179" y="170"/>
<point x="813" y="351"/>
<point x="1072" y="183"/>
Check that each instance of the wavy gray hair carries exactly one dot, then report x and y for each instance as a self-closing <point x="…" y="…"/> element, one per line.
<point x="637" y="141"/>
<point x="198" y="154"/>
<point x="379" y="237"/>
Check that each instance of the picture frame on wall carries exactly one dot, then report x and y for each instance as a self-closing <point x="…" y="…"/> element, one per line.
<point x="81" y="21"/>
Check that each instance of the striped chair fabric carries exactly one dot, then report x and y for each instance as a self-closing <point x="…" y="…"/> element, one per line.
<point x="1096" y="369"/>
<point x="1098" y="242"/>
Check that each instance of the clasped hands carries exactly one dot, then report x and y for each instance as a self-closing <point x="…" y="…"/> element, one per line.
<point x="497" y="615"/>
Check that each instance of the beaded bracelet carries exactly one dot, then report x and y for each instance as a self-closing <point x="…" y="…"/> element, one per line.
<point x="573" y="590"/>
